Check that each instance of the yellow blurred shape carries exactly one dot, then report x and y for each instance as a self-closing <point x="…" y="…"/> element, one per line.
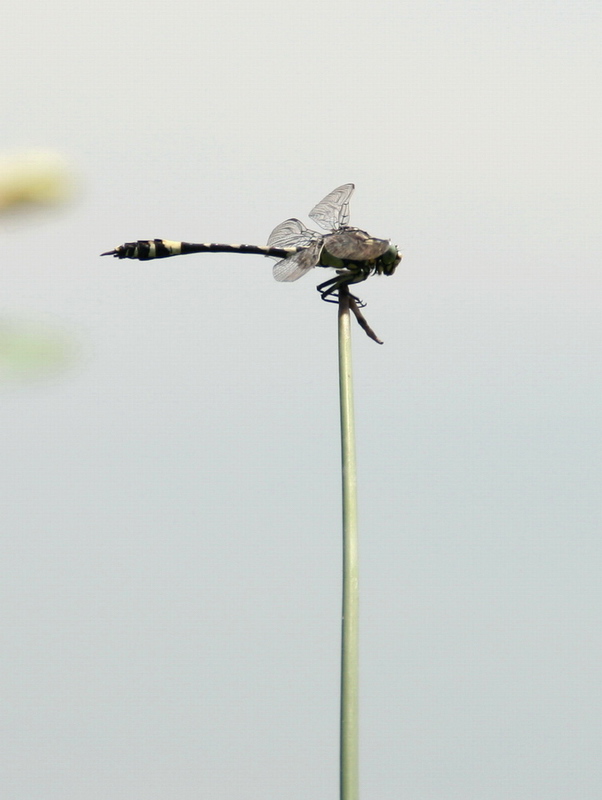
<point x="38" y="177"/>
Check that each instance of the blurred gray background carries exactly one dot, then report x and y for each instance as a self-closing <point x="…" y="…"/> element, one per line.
<point x="170" y="498"/>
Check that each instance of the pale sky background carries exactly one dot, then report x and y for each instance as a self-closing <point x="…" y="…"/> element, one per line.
<point x="170" y="499"/>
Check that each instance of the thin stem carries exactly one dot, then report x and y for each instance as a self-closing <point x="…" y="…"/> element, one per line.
<point x="349" y="756"/>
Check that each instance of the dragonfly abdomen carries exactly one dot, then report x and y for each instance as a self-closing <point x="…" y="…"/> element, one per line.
<point x="146" y="249"/>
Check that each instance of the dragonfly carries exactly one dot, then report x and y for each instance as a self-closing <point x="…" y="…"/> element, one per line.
<point x="351" y="252"/>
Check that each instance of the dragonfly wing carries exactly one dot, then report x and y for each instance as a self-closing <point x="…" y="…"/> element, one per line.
<point x="292" y="233"/>
<point x="294" y="267"/>
<point x="355" y="245"/>
<point x="333" y="211"/>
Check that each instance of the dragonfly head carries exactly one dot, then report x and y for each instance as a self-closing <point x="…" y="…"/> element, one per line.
<point x="389" y="260"/>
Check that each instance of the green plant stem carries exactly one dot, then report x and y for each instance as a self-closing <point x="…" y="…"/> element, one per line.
<point x="349" y="773"/>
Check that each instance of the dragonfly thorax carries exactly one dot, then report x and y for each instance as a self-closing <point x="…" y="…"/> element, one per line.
<point x="356" y="251"/>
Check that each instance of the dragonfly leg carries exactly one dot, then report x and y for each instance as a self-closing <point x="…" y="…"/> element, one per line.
<point x="341" y="288"/>
<point x="362" y="320"/>
<point x="329" y="290"/>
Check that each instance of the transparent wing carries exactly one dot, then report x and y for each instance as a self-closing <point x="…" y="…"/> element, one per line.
<point x="292" y="233"/>
<point x="294" y="267"/>
<point x="332" y="212"/>
<point x="355" y="245"/>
